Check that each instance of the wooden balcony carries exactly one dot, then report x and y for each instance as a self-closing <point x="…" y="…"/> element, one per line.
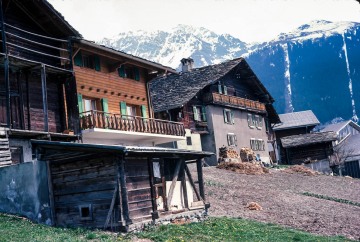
<point x="237" y="102"/>
<point x="102" y="120"/>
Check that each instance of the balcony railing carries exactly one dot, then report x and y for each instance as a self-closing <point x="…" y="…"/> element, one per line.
<point x="103" y="120"/>
<point x="235" y="101"/>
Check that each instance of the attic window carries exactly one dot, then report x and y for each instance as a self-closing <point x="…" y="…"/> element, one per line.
<point x="87" y="60"/>
<point x="130" y="72"/>
<point x="85" y="212"/>
<point x="222" y="89"/>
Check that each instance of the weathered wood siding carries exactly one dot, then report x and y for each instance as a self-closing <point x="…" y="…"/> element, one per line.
<point x="138" y="187"/>
<point x="5" y="156"/>
<point x="84" y="182"/>
<point x="297" y="155"/>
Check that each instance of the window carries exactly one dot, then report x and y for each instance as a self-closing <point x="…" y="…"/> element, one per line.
<point x="232" y="140"/>
<point x="87" y="60"/>
<point x="188" y="140"/>
<point x="130" y="72"/>
<point x="16" y="155"/>
<point x="199" y="113"/>
<point x="131" y="110"/>
<point x="222" y="89"/>
<point x="85" y="212"/>
<point x="89" y="104"/>
<point x="254" y="121"/>
<point x="228" y="116"/>
<point x="257" y="144"/>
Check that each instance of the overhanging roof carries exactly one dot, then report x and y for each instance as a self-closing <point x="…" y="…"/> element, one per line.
<point x="68" y="147"/>
<point x="296" y="120"/>
<point x="307" y="139"/>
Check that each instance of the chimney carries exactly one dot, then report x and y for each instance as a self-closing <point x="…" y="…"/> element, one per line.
<point x="187" y="64"/>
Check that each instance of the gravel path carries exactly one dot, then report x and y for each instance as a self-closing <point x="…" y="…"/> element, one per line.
<point x="280" y="196"/>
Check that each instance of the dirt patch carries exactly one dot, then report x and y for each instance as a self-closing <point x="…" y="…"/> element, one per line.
<point x="301" y="169"/>
<point x="280" y="195"/>
<point x="244" y="168"/>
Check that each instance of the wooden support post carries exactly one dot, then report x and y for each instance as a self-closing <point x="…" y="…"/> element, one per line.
<point x="28" y="100"/>
<point x="44" y="98"/>
<point x="7" y="91"/>
<point x="163" y="181"/>
<point x="123" y="190"/>
<point x="192" y="182"/>
<point x="111" y="207"/>
<point x="153" y="192"/>
<point x="51" y="194"/>
<point x="21" y="100"/>
<point x="200" y="178"/>
<point x="173" y="183"/>
<point x="183" y="184"/>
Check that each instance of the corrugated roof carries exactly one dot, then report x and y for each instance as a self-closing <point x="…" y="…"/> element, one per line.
<point x="338" y="126"/>
<point x="308" y="139"/>
<point x="296" y="120"/>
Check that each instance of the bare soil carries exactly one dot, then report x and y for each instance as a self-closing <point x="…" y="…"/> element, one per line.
<point x="279" y="194"/>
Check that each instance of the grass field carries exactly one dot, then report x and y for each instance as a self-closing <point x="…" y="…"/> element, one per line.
<point x="13" y="228"/>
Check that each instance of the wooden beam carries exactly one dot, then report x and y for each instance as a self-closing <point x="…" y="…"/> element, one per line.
<point x="21" y="100"/>
<point x="173" y="183"/>
<point x="44" y="98"/>
<point x="188" y="173"/>
<point x="151" y="177"/>
<point x="7" y="91"/>
<point x="163" y="181"/>
<point x="111" y="207"/>
<point x="28" y="100"/>
<point x="123" y="190"/>
<point x="200" y="178"/>
<point x="183" y="184"/>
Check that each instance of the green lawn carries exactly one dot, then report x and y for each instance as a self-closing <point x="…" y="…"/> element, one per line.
<point x="214" y="229"/>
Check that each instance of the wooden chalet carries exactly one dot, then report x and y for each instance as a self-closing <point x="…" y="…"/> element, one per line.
<point x="220" y="105"/>
<point x="119" y="187"/>
<point x="295" y="123"/>
<point x="113" y="97"/>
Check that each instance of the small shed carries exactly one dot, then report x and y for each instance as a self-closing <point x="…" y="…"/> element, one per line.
<point x="308" y="147"/>
<point x="118" y="187"/>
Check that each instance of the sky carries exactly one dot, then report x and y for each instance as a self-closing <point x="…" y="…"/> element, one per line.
<point x="248" y="20"/>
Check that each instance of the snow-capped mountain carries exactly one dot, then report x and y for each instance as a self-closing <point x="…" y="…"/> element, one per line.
<point x="168" y="48"/>
<point x="316" y="66"/>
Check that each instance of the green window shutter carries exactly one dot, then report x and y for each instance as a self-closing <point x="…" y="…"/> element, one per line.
<point x="104" y="104"/>
<point x="225" y="117"/>
<point x="97" y="62"/>
<point x="203" y="113"/>
<point x="137" y="74"/>
<point x="232" y="117"/>
<point x="121" y="71"/>
<point x="80" y="103"/>
<point x="123" y="108"/>
<point x="249" y="119"/>
<point x="228" y="140"/>
<point x="196" y="115"/>
<point x="143" y="111"/>
<point x="219" y="88"/>
<point x="225" y="90"/>
<point x="78" y="59"/>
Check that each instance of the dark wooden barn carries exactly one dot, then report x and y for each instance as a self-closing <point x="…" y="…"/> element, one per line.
<point x="119" y="187"/>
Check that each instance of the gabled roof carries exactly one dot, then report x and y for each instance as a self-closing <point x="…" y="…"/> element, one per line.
<point x="339" y="126"/>
<point x="351" y="145"/>
<point x="119" y="53"/>
<point x="296" y="120"/>
<point x="175" y="90"/>
<point x="307" y="139"/>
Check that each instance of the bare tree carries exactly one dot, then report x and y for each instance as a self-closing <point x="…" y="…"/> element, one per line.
<point x="341" y="152"/>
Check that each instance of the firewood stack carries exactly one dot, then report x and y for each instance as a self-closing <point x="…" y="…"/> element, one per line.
<point x="228" y="152"/>
<point x="247" y="154"/>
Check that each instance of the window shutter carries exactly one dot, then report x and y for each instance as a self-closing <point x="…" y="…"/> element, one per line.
<point x="123" y="108"/>
<point x="225" y="90"/>
<point x="219" y="88"/>
<point x="228" y="140"/>
<point x="235" y="139"/>
<point x="225" y="117"/>
<point x="232" y="117"/>
<point x="196" y="115"/>
<point x="143" y="111"/>
<point x="121" y="71"/>
<point x="260" y="122"/>
<point x="80" y="103"/>
<point x="203" y="113"/>
<point x="104" y="104"/>
<point x="97" y="62"/>
<point x="137" y="74"/>
<point x="78" y="59"/>
<point x="249" y="119"/>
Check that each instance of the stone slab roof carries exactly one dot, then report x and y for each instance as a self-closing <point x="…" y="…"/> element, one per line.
<point x="308" y="139"/>
<point x="296" y="120"/>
